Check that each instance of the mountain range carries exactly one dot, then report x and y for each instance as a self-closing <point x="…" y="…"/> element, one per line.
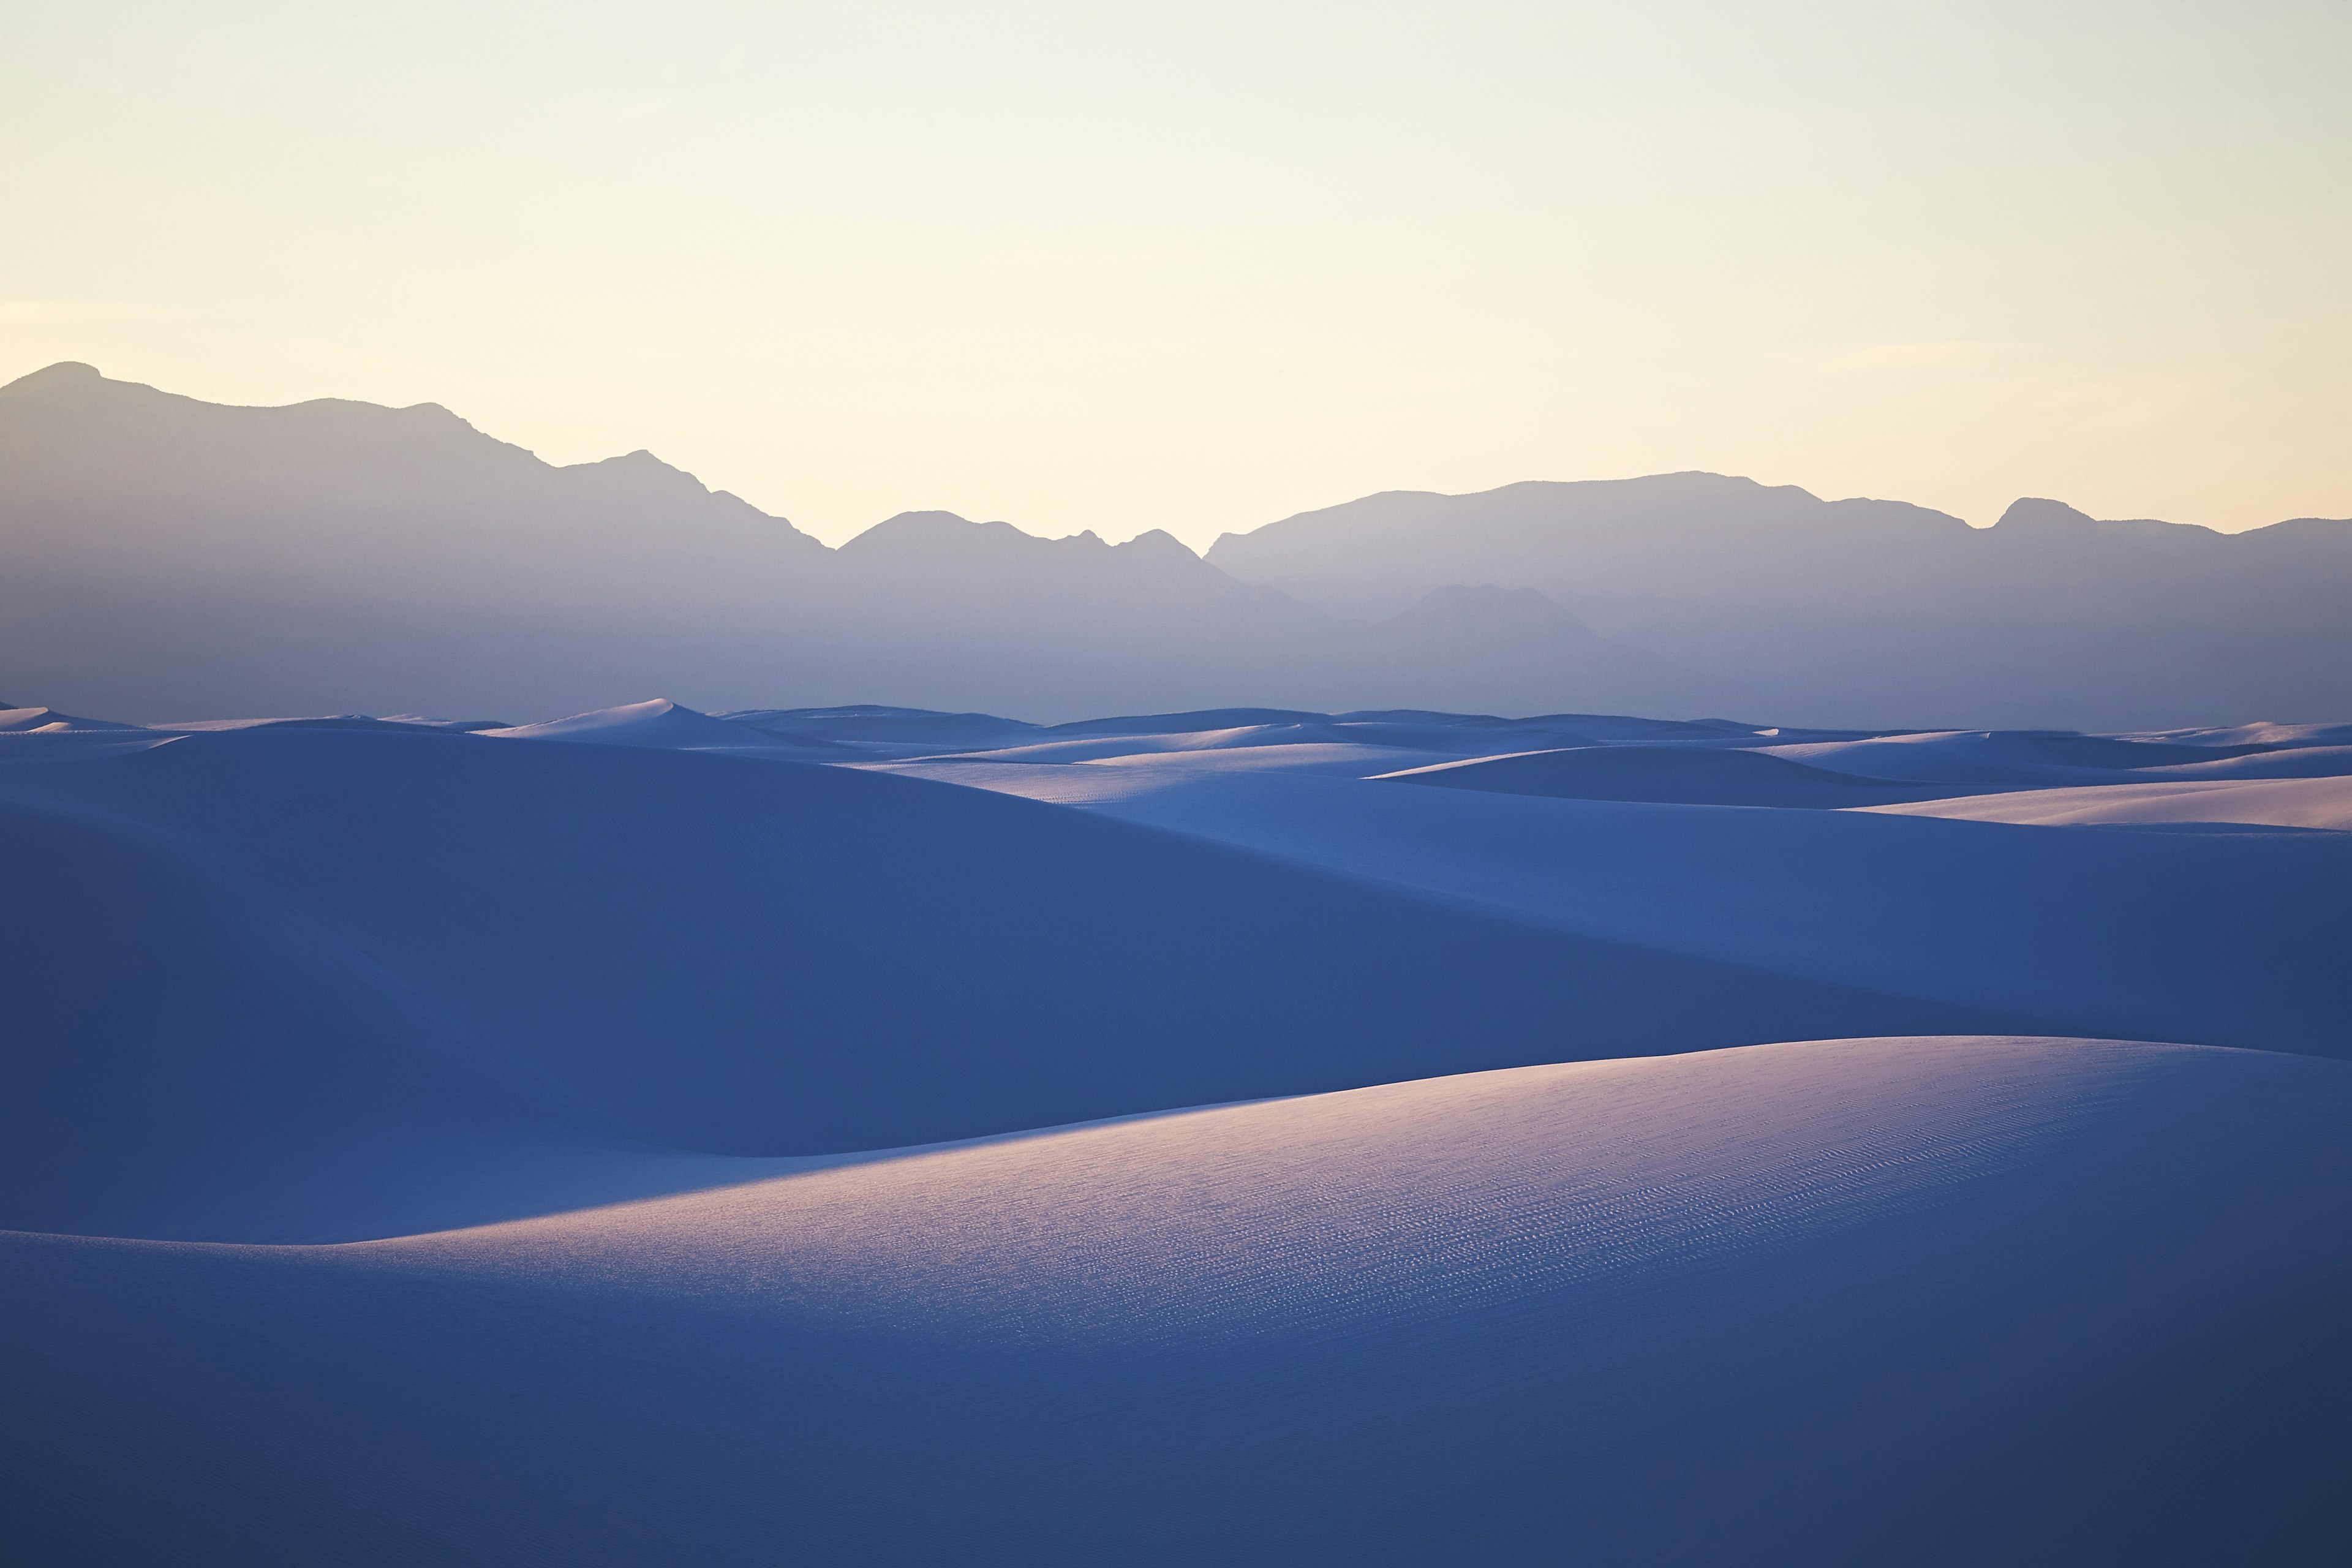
<point x="161" y="556"/>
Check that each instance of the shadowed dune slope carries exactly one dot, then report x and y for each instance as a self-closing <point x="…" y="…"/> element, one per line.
<point x="2215" y="936"/>
<point x="182" y="1044"/>
<point x="1792" y="1304"/>
<point x="344" y="942"/>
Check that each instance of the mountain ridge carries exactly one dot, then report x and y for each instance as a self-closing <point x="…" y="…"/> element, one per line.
<point x="161" y="555"/>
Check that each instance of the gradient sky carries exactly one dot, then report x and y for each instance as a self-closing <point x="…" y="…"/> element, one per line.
<point x="1197" y="267"/>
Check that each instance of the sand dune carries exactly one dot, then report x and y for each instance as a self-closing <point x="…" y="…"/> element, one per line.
<point x="2277" y="802"/>
<point x="2214" y="937"/>
<point x="49" y="721"/>
<point x="895" y="730"/>
<point x="1171" y="1137"/>
<point x="349" y="943"/>
<point x="1658" y="774"/>
<point x="1339" y="758"/>
<point x="1095" y="747"/>
<point x="673" y="727"/>
<point x="2267" y="732"/>
<point x="1997" y="757"/>
<point x="1803" y="1303"/>
<point x="2287" y="763"/>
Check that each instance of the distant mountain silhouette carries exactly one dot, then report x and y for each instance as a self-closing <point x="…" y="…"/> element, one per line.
<point x="146" y="482"/>
<point x="168" y="557"/>
<point x="1869" y="612"/>
<point x="162" y="557"/>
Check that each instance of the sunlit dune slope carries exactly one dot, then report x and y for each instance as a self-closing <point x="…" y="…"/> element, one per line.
<point x="1667" y="775"/>
<point x="48" y="722"/>
<point x="2324" y="803"/>
<point x="1952" y="1301"/>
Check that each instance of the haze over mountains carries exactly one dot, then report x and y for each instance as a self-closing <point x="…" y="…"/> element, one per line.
<point x="162" y="557"/>
<point x="1852" y="611"/>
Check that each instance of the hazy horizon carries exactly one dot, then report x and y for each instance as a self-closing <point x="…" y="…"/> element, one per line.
<point x="1197" y="270"/>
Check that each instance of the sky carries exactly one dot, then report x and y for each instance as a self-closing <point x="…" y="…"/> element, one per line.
<point x="1199" y="267"/>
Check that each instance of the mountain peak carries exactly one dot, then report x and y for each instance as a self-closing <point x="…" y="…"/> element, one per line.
<point x="915" y="530"/>
<point x="64" y="373"/>
<point x="2032" y="511"/>
<point x="68" y="379"/>
<point x="937" y="533"/>
<point x="639" y="468"/>
<point x="1160" y="541"/>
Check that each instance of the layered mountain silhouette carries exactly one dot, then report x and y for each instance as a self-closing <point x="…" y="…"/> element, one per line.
<point x="161" y="556"/>
<point x="1861" y="612"/>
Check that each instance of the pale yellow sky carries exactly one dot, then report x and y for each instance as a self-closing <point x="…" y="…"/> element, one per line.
<point x="1198" y="267"/>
